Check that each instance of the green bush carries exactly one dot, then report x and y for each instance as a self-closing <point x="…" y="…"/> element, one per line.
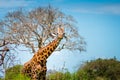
<point x="100" y="69"/>
<point x="14" y="73"/>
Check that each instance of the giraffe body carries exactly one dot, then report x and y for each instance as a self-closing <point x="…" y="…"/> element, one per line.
<point x="36" y="67"/>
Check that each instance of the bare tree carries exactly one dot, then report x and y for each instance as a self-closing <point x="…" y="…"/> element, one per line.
<point x="34" y="29"/>
<point x="37" y="27"/>
<point x="7" y="58"/>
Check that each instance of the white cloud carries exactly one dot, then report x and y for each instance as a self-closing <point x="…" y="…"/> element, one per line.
<point x="113" y="9"/>
<point x="103" y="9"/>
<point x="14" y="3"/>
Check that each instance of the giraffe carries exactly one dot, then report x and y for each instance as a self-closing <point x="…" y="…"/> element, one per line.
<point x="36" y="67"/>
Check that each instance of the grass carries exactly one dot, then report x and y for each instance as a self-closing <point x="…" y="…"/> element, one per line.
<point x="63" y="76"/>
<point x="14" y="73"/>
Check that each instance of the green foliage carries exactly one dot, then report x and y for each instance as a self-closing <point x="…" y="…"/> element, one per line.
<point x="100" y="69"/>
<point x="61" y="76"/>
<point x="14" y="73"/>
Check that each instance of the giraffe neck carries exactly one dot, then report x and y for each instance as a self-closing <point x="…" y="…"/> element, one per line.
<point x="51" y="47"/>
<point x="48" y="49"/>
<point x="45" y="52"/>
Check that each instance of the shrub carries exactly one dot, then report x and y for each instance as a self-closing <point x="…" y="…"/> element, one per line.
<point x="14" y="73"/>
<point x="101" y="68"/>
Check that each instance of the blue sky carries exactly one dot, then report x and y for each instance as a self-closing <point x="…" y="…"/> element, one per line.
<point x="98" y="22"/>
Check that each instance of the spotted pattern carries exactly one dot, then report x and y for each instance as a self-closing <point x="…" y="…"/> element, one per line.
<point x="36" y="67"/>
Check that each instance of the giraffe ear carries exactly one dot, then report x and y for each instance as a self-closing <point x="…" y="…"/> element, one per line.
<point x="62" y="29"/>
<point x="58" y="30"/>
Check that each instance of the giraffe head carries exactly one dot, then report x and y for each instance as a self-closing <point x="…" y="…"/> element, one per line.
<point x="60" y="32"/>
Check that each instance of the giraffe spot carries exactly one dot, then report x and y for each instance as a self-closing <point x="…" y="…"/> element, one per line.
<point x="38" y="69"/>
<point x="42" y="57"/>
<point x="38" y="58"/>
<point x="33" y="64"/>
<point x="33" y="72"/>
<point x="29" y="74"/>
<point x="46" y="56"/>
<point x="48" y="48"/>
<point x="37" y="54"/>
<point x="51" y="49"/>
<point x="28" y="71"/>
<point x="43" y="51"/>
<point x="35" y="59"/>
<point x="41" y="61"/>
<point x="48" y="53"/>
<point x="54" y="47"/>
<point x="52" y="44"/>
<point x="28" y="65"/>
